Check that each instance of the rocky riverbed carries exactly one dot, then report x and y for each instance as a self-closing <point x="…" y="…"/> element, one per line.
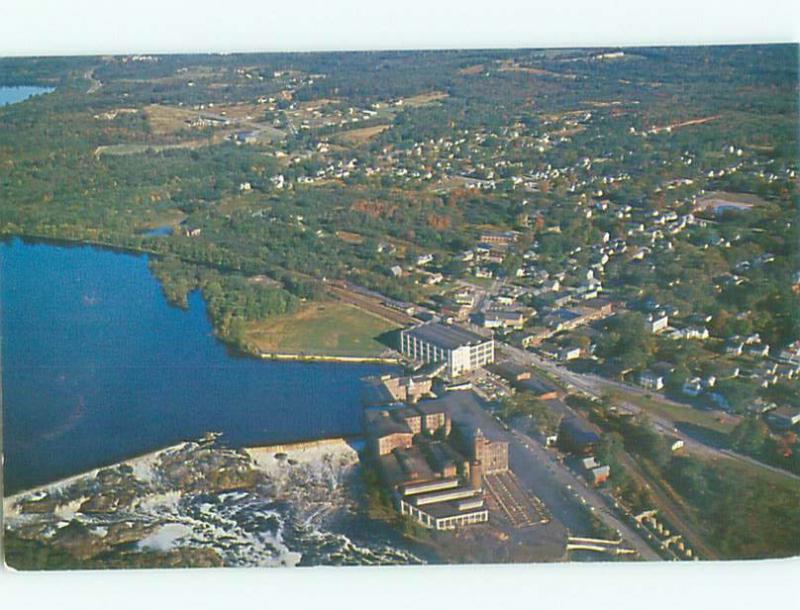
<point x="203" y="504"/>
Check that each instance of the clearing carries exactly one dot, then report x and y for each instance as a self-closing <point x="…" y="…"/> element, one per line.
<point x="720" y="201"/>
<point x="350" y="238"/>
<point x="423" y="99"/>
<point x="714" y="421"/>
<point x="322" y="329"/>
<point x="360" y="136"/>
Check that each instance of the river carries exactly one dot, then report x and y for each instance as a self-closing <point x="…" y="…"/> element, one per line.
<point x="98" y="367"/>
<point x="13" y="95"/>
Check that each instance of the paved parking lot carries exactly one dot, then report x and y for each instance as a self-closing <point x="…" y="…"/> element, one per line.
<point x="521" y="508"/>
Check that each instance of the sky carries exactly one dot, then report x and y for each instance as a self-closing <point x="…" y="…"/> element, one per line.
<point x="50" y="27"/>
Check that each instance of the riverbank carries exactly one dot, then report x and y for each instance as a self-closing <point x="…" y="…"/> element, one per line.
<point x="98" y="367"/>
<point x="201" y="504"/>
<point x="324" y="331"/>
<point x="322" y="358"/>
<point x="138" y="463"/>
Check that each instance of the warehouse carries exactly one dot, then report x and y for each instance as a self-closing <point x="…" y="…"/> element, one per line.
<point x="462" y="350"/>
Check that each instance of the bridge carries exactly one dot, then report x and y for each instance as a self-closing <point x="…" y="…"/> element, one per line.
<point x="598" y="545"/>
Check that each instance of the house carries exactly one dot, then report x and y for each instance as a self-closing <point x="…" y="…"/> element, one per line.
<point x="784" y="418"/>
<point x="734" y="346"/>
<point x="758" y="349"/>
<point x="655" y="323"/>
<point x="396" y="271"/>
<point x="791" y="353"/>
<point x="569" y="353"/>
<point x="596" y="473"/>
<point x="432" y="279"/>
<point x="599" y="475"/>
<point x="424" y="259"/>
<point x="533" y="338"/>
<point x="510" y="371"/>
<point x="691" y="332"/>
<point x="464" y="297"/>
<point x="693" y="387"/>
<point x="675" y="443"/>
<point x="503" y="319"/>
<point x="246" y="137"/>
<point x="651" y="380"/>
<point x="577" y="436"/>
<point x="502" y="239"/>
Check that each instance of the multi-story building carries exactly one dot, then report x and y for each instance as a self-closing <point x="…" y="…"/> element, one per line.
<point x="502" y="239"/>
<point x="461" y="349"/>
<point x="430" y="480"/>
<point x="491" y="454"/>
<point x="388" y="431"/>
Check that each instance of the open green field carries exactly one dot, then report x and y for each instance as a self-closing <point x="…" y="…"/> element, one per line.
<point x="322" y="329"/>
<point x="704" y="419"/>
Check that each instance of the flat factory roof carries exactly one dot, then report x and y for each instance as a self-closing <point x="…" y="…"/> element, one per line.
<point x="445" y="336"/>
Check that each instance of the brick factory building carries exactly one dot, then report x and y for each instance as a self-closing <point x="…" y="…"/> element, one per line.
<point x="385" y="389"/>
<point x="491" y="454"/>
<point x="430" y="480"/>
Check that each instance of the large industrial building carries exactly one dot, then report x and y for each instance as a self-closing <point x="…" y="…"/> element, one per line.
<point x="461" y="349"/>
<point x="385" y="389"/>
<point x="430" y="480"/>
<point x="435" y="477"/>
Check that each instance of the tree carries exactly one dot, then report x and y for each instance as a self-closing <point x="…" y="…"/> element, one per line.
<point x="749" y="436"/>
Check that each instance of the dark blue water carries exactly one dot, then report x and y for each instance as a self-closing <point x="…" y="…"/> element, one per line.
<point x="12" y="95"/>
<point x="97" y="367"/>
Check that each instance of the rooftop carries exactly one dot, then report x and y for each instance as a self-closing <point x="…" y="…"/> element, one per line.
<point x="445" y="336"/>
<point x="466" y="413"/>
<point x="379" y="423"/>
<point x="508" y="369"/>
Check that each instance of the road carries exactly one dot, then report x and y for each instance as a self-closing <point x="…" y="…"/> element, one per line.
<point x="597" y="386"/>
<point x="553" y="482"/>
<point x="94" y="84"/>
<point x="525" y="452"/>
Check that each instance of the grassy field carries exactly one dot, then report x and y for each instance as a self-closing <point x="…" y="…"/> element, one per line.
<point x="746" y="512"/>
<point x="349" y="237"/>
<point x="704" y="419"/>
<point x="138" y="149"/>
<point x="165" y="120"/>
<point x="322" y="329"/>
<point x="424" y="98"/>
<point x="360" y="136"/>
